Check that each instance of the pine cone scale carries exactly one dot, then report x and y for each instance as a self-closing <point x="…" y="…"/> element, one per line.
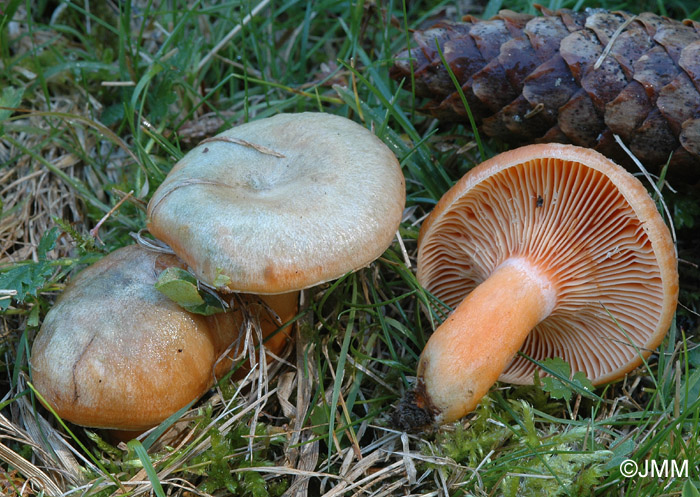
<point x="577" y="77"/>
<point x="690" y="136"/>
<point x="580" y="121"/>
<point x="574" y="21"/>
<point x="654" y="70"/>
<point x="520" y="118"/>
<point x="679" y="101"/>
<point x="581" y="51"/>
<point x="518" y="59"/>
<point x="629" y="46"/>
<point x="551" y="85"/>
<point x="491" y="86"/>
<point x="489" y="37"/>
<point x="654" y="139"/>
<point x="604" y="24"/>
<point x="674" y="37"/>
<point x="690" y="62"/>
<point x="628" y="110"/>
<point x="545" y="36"/>
<point x="514" y="22"/>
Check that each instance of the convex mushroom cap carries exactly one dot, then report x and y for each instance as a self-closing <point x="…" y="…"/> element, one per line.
<point x="114" y="352"/>
<point x="281" y="204"/>
<point x="553" y="250"/>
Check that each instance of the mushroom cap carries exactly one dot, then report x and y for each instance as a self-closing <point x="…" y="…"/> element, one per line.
<point x="593" y="231"/>
<point x="281" y="204"/>
<point x="114" y="352"/>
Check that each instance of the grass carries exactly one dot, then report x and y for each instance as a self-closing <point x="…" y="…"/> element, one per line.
<point x="98" y="101"/>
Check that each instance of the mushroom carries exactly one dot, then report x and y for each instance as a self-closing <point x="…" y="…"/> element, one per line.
<point x="114" y="352"/>
<point x="549" y="249"/>
<point x="269" y="207"/>
<point x="281" y="204"/>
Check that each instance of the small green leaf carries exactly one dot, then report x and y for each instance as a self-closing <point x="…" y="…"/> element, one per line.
<point x="690" y="390"/>
<point x="11" y="97"/>
<point x="556" y="385"/>
<point x="47" y="243"/>
<point x="556" y="388"/>
<point x="221" y="280"/>
<point x="689" y="490"/>
<point x="102" y="444"/>
<point x="33" y="319"/>
<point x="319" y="419"/>
<point x="84" y="242"/>
<point x="112" y="114"/>
<point x="254" y="484"/>
<point x="620" y="452"/>
<point x="582" y="382"/>
<point x="25" y="279"/>
<point x="685" y="211"/>
<point x="694" y="357"/>
<point x="181" y="287"/>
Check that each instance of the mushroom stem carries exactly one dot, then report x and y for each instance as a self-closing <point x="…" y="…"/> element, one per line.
<point x="471" y="348"/>
<point x="269" y="312"/>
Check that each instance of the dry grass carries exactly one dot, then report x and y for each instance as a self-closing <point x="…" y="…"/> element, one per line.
<point x="314" y="422"/>
<point x="41" y="142"/>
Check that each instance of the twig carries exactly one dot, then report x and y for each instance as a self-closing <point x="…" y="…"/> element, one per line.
<point x="610" y="44"/>
<point x="238" y="141"/>
<point x="404" y="252"/>
<point x="154" y="245"/>
<point x="94" y="231"/>
<point x="118" y="83"/>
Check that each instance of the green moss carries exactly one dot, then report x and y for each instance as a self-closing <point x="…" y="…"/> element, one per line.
<point x="223" y="466"/>
<point x="561" y="472"/>
<point x="554" y="462"/>
<point x="470" y="445"/>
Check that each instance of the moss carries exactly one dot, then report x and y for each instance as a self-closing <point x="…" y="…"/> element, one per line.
<point x="562" y="472"/>
<point x="223" y="466"/>
<point x="553" y="462"/>
<point x="469" y="445"/>
<point x="218" y="471"/>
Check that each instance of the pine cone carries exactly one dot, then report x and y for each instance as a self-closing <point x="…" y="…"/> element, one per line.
<point x="536" y="79"/>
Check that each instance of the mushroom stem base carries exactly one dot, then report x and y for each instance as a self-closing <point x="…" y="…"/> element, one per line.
<point x="414" y="411"/>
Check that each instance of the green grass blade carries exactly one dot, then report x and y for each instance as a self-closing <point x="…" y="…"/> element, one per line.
<point x="85" y="450"/>
<point x="458" y="87"/>
<point x="340" y="368"/>
<point x="141" y="453"/>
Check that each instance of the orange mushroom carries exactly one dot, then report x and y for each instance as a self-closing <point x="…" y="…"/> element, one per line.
<point x="281" y="204"/>
<point x="115" y="353"/>
<point x="549" y="249"/>
<point x="269" y="207"/>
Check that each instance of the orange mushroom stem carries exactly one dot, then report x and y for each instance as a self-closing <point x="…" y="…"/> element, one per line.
<point x="499" y="315"/>
<point x="550" y="249"/>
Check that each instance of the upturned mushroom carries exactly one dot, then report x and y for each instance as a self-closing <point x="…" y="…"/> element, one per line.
<point x="552" y="250"/>
<point x="115" y="353"/>
<point x="281" y="204"/>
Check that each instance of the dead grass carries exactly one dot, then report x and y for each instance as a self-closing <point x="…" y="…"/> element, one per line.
<point x="303" y="425"/>
<point x="31" y="194"/>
